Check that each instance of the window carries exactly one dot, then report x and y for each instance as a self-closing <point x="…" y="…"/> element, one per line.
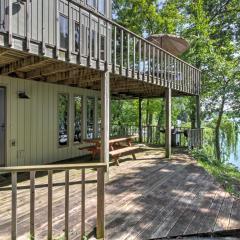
<point x="77" y="37"/>
<point x="92" y="3"/>
<point x="63" y="109"/>
<point x="77" y="119"/>
<point x="90" y="117"/>
<point x="101" y="6"/>
<point x="63" y="32"/>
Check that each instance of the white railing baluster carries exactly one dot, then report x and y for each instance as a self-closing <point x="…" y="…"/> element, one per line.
<point x="57" y="29"/>
<point x="10" y="23"/>
<point x="28" y="25"/>
<point x="139" y="57"/>
<point x="134" y="57"/>
<point x="153" y="64"/>
<point x="144" y="60"/>
<point x="128" y="54"/>
<point x="115" y="49"/>
<point x="99" y="44"/>
<point x="149" y="62"/>
<point x="43" y="45"/>
<point x="90" y="36"/>
<point x="158" y="69"/>
<point x="165" y="68"/>
<point x="79" y="37"/>
<point x="121" y="53"/>
<point x="107" y="47"/>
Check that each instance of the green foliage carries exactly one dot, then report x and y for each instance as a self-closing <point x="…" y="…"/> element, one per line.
<point x="226" y="174"/>
<point x="212" y="29"/>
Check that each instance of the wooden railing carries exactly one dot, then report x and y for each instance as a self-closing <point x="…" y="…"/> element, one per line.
<point x="50" y="170"/>
<point x="182" y="137"/>
<point x="195" y="137"/>
<point x="102" y="44"/>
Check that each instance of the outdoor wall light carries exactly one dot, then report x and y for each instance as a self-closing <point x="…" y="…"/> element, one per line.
<point x="23" y="95"/>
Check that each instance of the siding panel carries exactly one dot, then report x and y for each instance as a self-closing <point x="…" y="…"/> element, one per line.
<point x="32" y="123"/>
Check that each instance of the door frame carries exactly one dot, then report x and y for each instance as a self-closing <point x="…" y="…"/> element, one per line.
<point x="5" y="123"/>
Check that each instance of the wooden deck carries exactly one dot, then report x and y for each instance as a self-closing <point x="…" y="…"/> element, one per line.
<point x="150" y="197"/>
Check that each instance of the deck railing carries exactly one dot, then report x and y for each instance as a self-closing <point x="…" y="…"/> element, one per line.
<point x="182" y="137"/>
<point x="101" y="44"/>
<point x="50" y="170"/>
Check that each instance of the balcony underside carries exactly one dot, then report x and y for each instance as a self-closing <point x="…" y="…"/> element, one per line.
<point x="124" y="83"/>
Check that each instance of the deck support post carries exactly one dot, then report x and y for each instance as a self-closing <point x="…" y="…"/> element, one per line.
<point x="105" y="97"/>
<point x="84" y="117"/>
<point x="198" y="119"/>
<point x="140" y="119"/>
<point x="168" y="103"/>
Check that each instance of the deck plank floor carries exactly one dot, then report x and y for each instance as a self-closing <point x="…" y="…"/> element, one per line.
<point x="150" y="197"/>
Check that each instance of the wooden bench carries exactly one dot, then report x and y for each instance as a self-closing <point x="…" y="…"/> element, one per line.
<point x="116" y="154"/>
<point x="92" y="148"/>
<point x="115" y="145"/>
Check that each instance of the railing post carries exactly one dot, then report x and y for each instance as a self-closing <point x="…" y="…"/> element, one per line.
<point x="14" y="205"/>
<point x="50" y="173"/>
<point x="66" y="204"/>
<point x="100" y="204"/>
<point x="83" y="205"/>
<point x="105" y="98"/>
<point x="32" y="205"/>
<point x="168" y="133"/>
<point x="10" y="23"/>
<point x="140" y="119"/>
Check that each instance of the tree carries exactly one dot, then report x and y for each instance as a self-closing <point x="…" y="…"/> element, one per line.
<point x="212" y="28"/>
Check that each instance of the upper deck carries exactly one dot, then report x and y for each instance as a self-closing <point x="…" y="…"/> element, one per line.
<point x="68" y="42"/>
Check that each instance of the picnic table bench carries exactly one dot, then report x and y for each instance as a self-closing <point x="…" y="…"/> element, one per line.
<point x="118" y="147"/>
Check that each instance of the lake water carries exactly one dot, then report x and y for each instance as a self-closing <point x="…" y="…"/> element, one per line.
<point x="235" y="158"/>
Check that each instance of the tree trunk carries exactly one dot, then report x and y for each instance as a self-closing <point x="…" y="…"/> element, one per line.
<point x="150" y="128"/>
<point x="217" y="130"/>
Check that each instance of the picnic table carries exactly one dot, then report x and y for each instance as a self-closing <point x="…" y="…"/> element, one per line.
<point x="118" y="146"/>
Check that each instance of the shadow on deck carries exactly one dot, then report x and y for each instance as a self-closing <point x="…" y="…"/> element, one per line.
<point x="150" y="197"/>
